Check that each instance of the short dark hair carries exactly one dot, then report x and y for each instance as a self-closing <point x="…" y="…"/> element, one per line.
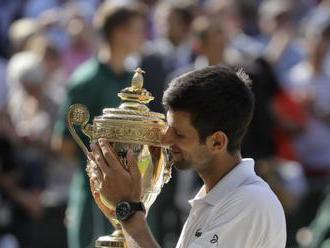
<point x="185" y="13"/>
<point x="218" y="98"/>
<point x="202" y="26"/>
<point x="110" y="16"/>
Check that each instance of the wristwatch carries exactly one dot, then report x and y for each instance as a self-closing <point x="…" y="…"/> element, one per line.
<point x="125" y="210"/>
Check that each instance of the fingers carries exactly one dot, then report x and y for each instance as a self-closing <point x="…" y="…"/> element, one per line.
<point x="109" y="155"/>
<point x="90" y="156"/>
<point x="97" y="182"/>
<point x="99" y="159"/>
<point x="133" y="168"/>
<point x="92" y="168"/>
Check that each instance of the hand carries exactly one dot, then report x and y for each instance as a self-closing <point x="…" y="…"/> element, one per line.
<point x="116" y="183"/>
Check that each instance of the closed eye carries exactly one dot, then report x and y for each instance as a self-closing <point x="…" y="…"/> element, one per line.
<point x="178" y="134"/>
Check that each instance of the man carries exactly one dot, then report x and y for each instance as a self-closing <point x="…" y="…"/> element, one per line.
<point x="208" y="113"/>
<point x="96" y="84"/>
<point x="171" y="50"/>
<point x="210" y="40"/>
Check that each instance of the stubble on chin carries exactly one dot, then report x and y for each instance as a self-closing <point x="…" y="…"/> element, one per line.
<point x="178" y="161"/>
<point x="182" y="165"/>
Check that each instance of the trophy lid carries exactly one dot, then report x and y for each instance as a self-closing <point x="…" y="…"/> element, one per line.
<point x="132" y="121"/>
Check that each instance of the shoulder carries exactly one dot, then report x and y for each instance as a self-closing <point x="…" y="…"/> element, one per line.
<point x="82" y="85"/>
<point x="253" y="211"/>
<point x="264" y="213"/>
<point x="257" y="198"/>
<point x="84" y="74"/>
<point x="252" y="203"/>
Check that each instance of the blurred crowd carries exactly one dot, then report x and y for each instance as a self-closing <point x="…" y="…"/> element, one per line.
<point x="54" y="53"/>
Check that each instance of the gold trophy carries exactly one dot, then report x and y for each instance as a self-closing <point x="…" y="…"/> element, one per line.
<point x="130" y="126"/>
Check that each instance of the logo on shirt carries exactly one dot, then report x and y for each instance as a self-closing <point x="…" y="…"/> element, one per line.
<point x="214" y="239"/>
<point x="198" y="233"/>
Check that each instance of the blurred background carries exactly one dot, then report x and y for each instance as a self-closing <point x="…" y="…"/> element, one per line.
<point x="57" y="52"/>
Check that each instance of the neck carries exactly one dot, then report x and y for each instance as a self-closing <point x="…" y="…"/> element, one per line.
<point x="178" y="40"/>
<point x="214" y="58"/>
<point x="114" y="57"/>
<point x="219" y="168"/>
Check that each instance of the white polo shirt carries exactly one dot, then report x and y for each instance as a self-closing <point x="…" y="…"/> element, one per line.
<point x="240" y="211"/>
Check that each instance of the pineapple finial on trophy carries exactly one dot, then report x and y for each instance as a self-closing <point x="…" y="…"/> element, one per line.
<point x="137" y="80"/>
<point x="136" y="93"/>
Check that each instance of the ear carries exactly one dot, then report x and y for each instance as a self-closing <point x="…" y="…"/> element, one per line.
<point x="218" y="141"/>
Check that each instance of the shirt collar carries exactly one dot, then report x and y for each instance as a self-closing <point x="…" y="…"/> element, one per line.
<point x="106" y="69"/>
<point x="227" y="184"/>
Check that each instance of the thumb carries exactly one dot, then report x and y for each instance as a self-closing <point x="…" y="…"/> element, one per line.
<point x="133" y="168"/>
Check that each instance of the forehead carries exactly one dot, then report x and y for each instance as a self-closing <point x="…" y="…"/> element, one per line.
<point x="135" y="21"/>
<point x="178" y="119"/>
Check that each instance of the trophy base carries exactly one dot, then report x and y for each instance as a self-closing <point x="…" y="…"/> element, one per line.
<point x="115" y="240"/>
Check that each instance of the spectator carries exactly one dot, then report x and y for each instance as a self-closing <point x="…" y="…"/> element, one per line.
<point x="32" y="113"/>
<point x="55" y="79"/>
<point x="96" y="84"/>
<point x="81" y="45"/>
<point x="20" y="32"/>
<point x="175" y="37"/>
<point x="278" y="35"/>
<point x="170" y="51"/>
<point x="309" y="82"/>
<point x="31" y="116"/>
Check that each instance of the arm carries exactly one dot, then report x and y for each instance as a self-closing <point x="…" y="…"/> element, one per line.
<point x="137" y="232"/>
<point x="118" y="184"/>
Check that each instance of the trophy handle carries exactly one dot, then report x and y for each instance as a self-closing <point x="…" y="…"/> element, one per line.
<point x="78" y="114"/>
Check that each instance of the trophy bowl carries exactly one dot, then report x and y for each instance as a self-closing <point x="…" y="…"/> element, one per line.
<point x="131" y="126"/>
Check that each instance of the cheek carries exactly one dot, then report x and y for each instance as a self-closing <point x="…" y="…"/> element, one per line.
<point x="136" y="40"/>
<point x="192" y="151"/>
<point x="185" y="145"/>
<point x="200" y="156"/>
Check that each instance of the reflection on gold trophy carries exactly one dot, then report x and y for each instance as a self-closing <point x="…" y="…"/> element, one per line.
<point x="130" y="126"/>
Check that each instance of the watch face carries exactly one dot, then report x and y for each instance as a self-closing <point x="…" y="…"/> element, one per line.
<point x="123" y="210"/>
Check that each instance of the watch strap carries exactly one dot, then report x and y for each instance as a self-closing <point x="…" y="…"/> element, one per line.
<point x="125" y="210"/>
<point x="137" y="206"/>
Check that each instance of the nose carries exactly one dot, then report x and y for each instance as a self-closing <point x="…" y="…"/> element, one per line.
<point x="166" y="137"/>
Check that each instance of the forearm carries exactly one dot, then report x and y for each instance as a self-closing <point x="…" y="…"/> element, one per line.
<point x="137" y="232"/>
